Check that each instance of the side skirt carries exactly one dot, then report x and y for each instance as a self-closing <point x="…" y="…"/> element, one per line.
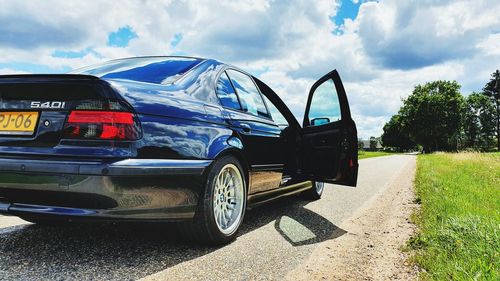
<point x="255" y="200"/>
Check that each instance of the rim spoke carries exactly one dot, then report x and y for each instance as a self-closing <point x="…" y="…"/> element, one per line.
<point x="232" y="180"/>
<point x="218" y="182"/>
<point x="226" y="178"/>
<point x="225" y="218"/>
<point x="227" y="214"/>
<point x="221" y="217"/>
<point x="231" y="200"/>
<point x="217" y="215"/>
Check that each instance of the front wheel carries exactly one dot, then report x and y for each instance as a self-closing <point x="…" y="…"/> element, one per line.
<point x="315" y="192"/>
<point x="221" y="208"/>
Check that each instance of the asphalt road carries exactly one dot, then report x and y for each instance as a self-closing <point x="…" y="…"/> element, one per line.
<point x="275" y="239"/>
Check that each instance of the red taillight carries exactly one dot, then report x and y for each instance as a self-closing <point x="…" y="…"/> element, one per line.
<point x="101" y="117"/>
<point x="113" y="125"/>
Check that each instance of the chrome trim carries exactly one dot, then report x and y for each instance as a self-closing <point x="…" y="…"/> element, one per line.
<point x="50" y="210"/>
<point x="128" y="167"/>
<point x="268" y="167"/>
<point x="158" y="166"/>
<point x="160" y="163"/>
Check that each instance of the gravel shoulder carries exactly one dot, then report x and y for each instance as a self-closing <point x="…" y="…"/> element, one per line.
<point x="371" y="250"/>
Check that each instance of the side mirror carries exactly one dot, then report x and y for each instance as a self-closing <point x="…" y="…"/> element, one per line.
<point x="320" y="121"/>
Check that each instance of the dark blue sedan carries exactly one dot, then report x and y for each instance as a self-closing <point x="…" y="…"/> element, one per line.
<point x="163" y="139"/>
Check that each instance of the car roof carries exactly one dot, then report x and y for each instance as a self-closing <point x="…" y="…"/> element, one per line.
<point x="148" y="57"/>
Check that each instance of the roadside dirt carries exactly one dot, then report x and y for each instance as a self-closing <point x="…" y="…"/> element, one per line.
<point x="371" y="250"/>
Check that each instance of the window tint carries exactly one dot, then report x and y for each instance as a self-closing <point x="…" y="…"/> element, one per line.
<point x="158" y="70"/>
<point x="276" y="115"/>
<point x="325" y="106"/>
<point x="226" y="93"/>
<point x="250" y="98"/>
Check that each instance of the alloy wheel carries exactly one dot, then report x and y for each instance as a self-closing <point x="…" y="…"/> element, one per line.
<point x="228" y="199"/>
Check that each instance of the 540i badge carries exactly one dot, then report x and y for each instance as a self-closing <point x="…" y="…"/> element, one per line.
<point x="48" y="104"/>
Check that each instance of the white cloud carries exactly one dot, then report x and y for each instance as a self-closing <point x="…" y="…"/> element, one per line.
<point x="381" y="55"/>
<point x="490" y="45"/>
<point x="411" y="34"/>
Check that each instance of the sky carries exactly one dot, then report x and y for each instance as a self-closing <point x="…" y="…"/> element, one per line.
<point x="382" y="49"/>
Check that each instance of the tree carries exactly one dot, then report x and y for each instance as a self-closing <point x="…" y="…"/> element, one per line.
<point x="396" y="136"/>
<point x="478" y="121"/>
<point x="373" y="143"/>
<point x="492" y="90"/>
<point x="361" y="144"/>
<point x="487" y="120"/>
<point x="432" y="115"/>
<point x="471" y="123"/>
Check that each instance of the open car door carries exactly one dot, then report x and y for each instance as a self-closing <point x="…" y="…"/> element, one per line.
<point x="329" y="150"/>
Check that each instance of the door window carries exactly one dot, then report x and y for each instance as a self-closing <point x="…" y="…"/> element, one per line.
<point x="325" y="105"/>
<point x="250" y="98"/>
<point x="226" y="93"/>
<point x="276" y="115"/>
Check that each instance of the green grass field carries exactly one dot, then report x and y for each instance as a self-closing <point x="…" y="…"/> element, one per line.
<point x="459" y="220"/>
<point x="369" y="154"/>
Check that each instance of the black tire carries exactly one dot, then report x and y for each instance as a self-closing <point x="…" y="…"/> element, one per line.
<point x="315" y="192"/>
<point x="203" y="228"/>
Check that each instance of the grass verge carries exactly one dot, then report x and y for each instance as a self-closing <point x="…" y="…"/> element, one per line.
<point x="459" y="220"/>
<point x="369" y="154"/>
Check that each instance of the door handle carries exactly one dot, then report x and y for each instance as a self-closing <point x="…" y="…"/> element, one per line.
<point x="246" y="128"/>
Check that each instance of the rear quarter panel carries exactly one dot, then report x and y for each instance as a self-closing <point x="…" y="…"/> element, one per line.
<point x="181" y="120"/>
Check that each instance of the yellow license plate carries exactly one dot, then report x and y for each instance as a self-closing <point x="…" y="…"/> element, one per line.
<point x="18" y="123"/>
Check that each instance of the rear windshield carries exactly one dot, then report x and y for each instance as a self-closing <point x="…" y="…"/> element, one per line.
<point x="158" y="70"/>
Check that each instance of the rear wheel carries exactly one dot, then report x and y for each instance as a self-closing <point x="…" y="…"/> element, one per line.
<point x="221" y="207"/>
<point x="315" y="192"/>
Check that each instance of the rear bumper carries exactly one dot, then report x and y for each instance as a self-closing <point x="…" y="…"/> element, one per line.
<point x="132" y="189"/>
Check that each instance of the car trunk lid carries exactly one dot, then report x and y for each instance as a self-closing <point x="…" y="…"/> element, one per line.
<point x="34" y="109"/>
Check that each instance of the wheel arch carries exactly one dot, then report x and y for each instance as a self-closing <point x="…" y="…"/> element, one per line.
<point x="239" y="155"/>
